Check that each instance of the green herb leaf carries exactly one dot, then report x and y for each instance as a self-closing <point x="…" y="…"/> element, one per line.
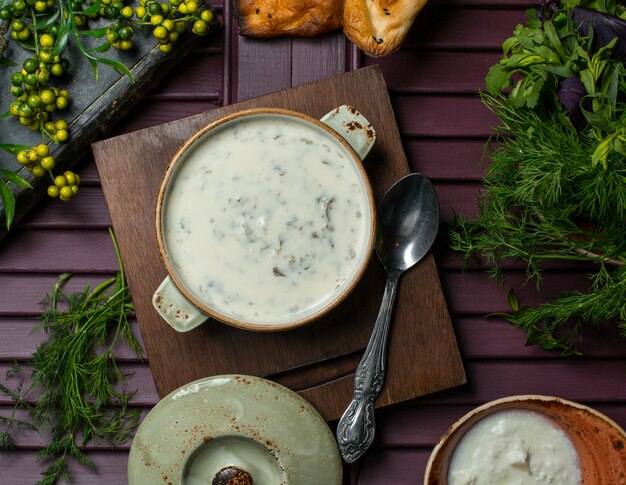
<point x="8" y="200"/>
<point x="512" y="299"/>
<point x="93" y="8"/>
<point x="497" y="79"/>
<point x="94" y="67"/>
<point x="555" y="41"/>
<point x="100" y="49"/>
<point x="118" y="66"/>
<point x="95" y="33"/>
<point x="15" y="178"/>
<point x="5" y="115"/>
<point x="47" y="22"/>
<point x="7" y="442"/>
<point x="61" y="41"/>
<point x="28" y="45"/>
<point x="12" y="148"/>
<point x="7" y="62"/>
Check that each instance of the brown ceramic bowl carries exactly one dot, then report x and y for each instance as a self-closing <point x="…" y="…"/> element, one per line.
<point x="324" y="137"/>
<point x="598" y="440"/>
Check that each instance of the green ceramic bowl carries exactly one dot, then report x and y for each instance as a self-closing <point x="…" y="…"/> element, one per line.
<point x="234" y="420"/>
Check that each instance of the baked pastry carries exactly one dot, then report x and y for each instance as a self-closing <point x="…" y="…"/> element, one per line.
<point x="378" y="27"/>
<point x="276" y="18"/>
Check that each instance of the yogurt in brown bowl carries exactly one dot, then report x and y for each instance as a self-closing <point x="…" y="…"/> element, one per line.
<point x="265" y="220"/>
<point x="530" y="440"/>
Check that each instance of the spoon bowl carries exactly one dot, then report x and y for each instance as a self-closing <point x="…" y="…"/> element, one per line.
<point x="408" y="219"/>
<point x="405" y="230"/>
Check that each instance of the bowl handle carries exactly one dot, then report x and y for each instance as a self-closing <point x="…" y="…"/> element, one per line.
<point x="352" y="126"/>
<point x="175" y="309"/>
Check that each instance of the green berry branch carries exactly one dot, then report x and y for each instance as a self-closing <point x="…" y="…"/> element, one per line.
<point x="46" y="28"/>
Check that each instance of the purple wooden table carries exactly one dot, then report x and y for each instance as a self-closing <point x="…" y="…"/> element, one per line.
<point x="433" y="81"/>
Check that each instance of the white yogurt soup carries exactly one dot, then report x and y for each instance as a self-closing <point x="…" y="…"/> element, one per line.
<point x="266" y="219"/>
<point x="514" y="447"/>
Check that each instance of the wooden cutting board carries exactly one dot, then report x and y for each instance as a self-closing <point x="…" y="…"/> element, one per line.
<point x="318" y="360"/>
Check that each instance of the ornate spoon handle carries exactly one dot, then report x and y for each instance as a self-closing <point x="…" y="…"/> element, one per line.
<point x="355" y="430"/>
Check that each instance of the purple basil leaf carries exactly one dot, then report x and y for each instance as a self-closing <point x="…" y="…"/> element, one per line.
<point x="548" y="9"/>
<point x="570" y="93"/>
<point x="605" y="28"/>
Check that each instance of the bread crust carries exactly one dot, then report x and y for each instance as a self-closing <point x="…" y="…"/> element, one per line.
<point x="277" y="18"/>
<point x="378" y="27"/>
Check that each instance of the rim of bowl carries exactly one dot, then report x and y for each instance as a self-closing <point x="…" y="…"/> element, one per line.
<point x="263" y="327"/>
<point x="510" y="400"/>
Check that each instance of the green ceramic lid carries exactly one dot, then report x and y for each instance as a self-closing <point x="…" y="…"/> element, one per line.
<point x="248" y="422"/>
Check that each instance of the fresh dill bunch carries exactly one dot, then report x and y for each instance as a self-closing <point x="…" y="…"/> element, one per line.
<point x="80" y="385"/>
<point x="544" y="201"/>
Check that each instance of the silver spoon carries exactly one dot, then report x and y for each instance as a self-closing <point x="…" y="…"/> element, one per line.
<point x="408" y="218"/>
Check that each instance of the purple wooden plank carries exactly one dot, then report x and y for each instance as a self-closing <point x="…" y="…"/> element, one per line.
<point x="18" y="342"/>
<point x="414" y="424"/>
<point x="459" y="198"/>
<point x="482" y="337"/>
<point x="435" y="72"/>
<point x="398" y="466"/>
<point x="199" y="75"/>
<point x="577" y="379"/>
<point x="139" y="377"/>
<point x="317" y="58"/>
<point x="87" y="210"/>
<point x="263" y="66"/>
<point x="151" y="112"/>
<point x="447" y="159"/>
<point x="437" y="116"/>
<point x="476" y="293"/>
<point x="454" y="28"/>
<point x="21" y="293"/>
<point x="22" y="468"/>
<point x="88" y="171"/>
<point x="69" y="251"/>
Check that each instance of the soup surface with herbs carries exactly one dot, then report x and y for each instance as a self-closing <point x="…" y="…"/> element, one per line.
<point x="266" y="219"/>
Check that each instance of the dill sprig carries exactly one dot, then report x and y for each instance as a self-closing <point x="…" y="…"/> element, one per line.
<point x="554" y="190"/>
<point x="80" y="387"/>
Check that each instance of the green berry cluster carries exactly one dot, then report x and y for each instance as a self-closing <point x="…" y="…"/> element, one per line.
<point x="36" y="101"/>
<point x="35" y="98"/>
<point x="120" y="35"/>
<point x="39" y="161"/>
<point x="65" y="186"/>
<point x="171" y="19"/>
